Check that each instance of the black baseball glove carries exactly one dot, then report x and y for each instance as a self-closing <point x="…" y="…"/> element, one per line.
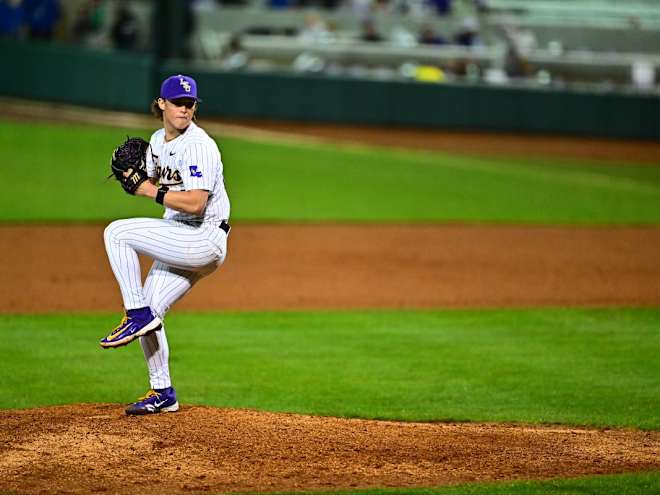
<point x="129" y="164"/>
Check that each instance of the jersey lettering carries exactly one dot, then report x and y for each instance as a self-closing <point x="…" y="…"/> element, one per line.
<point x="191" y="161"/>
<point x="168" y="177"/>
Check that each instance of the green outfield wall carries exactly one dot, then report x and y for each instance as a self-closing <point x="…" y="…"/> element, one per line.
<point x="66" y="74"/>
<point x="327" y="99"/>
<point x="129" y="81"/>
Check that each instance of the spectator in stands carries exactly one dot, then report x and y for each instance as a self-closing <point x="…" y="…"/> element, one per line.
<point x="370" y="32"/>
<point x="442" y="7"/>
<point x="468" y="34"/>
<point x="515" y="65"/>
<point x="520" y="45"/>
<point x="11" y="18"/>
<point x="429" y="36"/>
<point x="88" y="26"/>
<point x="326" y="4"/>
<point x="126" y="30"/>
<point x="414" y="8"/>
<point x="234" y="56"/>
<point x="41" y="17"/>
<point x="315" y="30"/>
<point x="400" y="36"/>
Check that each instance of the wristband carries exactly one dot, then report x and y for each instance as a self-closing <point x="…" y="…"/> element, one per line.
<point x="160" y="195"/>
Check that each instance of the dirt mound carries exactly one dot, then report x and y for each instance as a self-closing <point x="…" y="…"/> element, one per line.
<point x="96" y="448"/>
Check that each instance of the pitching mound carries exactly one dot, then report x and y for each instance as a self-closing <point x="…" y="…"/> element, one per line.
<point x="94" y="448"/>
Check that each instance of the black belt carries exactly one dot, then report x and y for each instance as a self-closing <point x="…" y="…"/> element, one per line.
<point x="225" y="226"/>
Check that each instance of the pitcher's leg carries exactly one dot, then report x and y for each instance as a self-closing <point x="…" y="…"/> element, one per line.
<point x="124" y="262"/>
<point x="157" y="354"/>
<point x="163" y="287"/>
<point x="177" y="245"/>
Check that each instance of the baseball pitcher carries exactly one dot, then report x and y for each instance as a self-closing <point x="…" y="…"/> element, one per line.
<point x="181" y="169"/>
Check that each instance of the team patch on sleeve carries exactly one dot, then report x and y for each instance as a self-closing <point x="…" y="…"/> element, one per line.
<point x="194" y="172"/>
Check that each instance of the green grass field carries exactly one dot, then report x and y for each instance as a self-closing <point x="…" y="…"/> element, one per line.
<point x="271" y="182"/>
<point x="626" y="484"/>
<point x="581" y="367"/>
<point x="490" y="365"/>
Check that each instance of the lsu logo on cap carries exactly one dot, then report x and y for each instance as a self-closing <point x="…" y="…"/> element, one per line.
<point x="194" y="172"/>
<point x="184" y="84"/>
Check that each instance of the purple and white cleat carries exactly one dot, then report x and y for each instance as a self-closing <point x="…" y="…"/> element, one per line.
<point x="136" y="323"/>
<point x="155" y="401"/>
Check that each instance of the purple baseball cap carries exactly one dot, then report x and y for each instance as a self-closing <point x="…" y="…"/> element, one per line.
<point x="179" y="86"/>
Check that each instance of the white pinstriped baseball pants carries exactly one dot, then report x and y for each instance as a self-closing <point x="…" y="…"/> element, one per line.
<point x="182" y="254"/>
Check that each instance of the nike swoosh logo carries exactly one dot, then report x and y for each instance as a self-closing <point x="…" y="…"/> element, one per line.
<point x="116" y="333"/>
<point x="172" y="153"/>
<point x="158" y="404"/>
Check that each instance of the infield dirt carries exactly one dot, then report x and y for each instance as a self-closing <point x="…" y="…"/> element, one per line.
<point x="274" y="267"/>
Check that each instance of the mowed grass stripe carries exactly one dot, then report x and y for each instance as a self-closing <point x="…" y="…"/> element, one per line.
<point x="619" y="484"/>
<point x="584" y="367"/>
<point x="562" y="172"/>
<point x="318" y="182"/>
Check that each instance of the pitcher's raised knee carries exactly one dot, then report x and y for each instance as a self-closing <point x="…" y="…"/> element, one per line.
<point x="111" y="232"/>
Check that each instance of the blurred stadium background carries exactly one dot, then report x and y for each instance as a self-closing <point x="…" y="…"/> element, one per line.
<point x="580" y="67"/>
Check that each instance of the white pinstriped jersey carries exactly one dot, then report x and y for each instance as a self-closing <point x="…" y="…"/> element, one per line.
<point x="190" y="161"/>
